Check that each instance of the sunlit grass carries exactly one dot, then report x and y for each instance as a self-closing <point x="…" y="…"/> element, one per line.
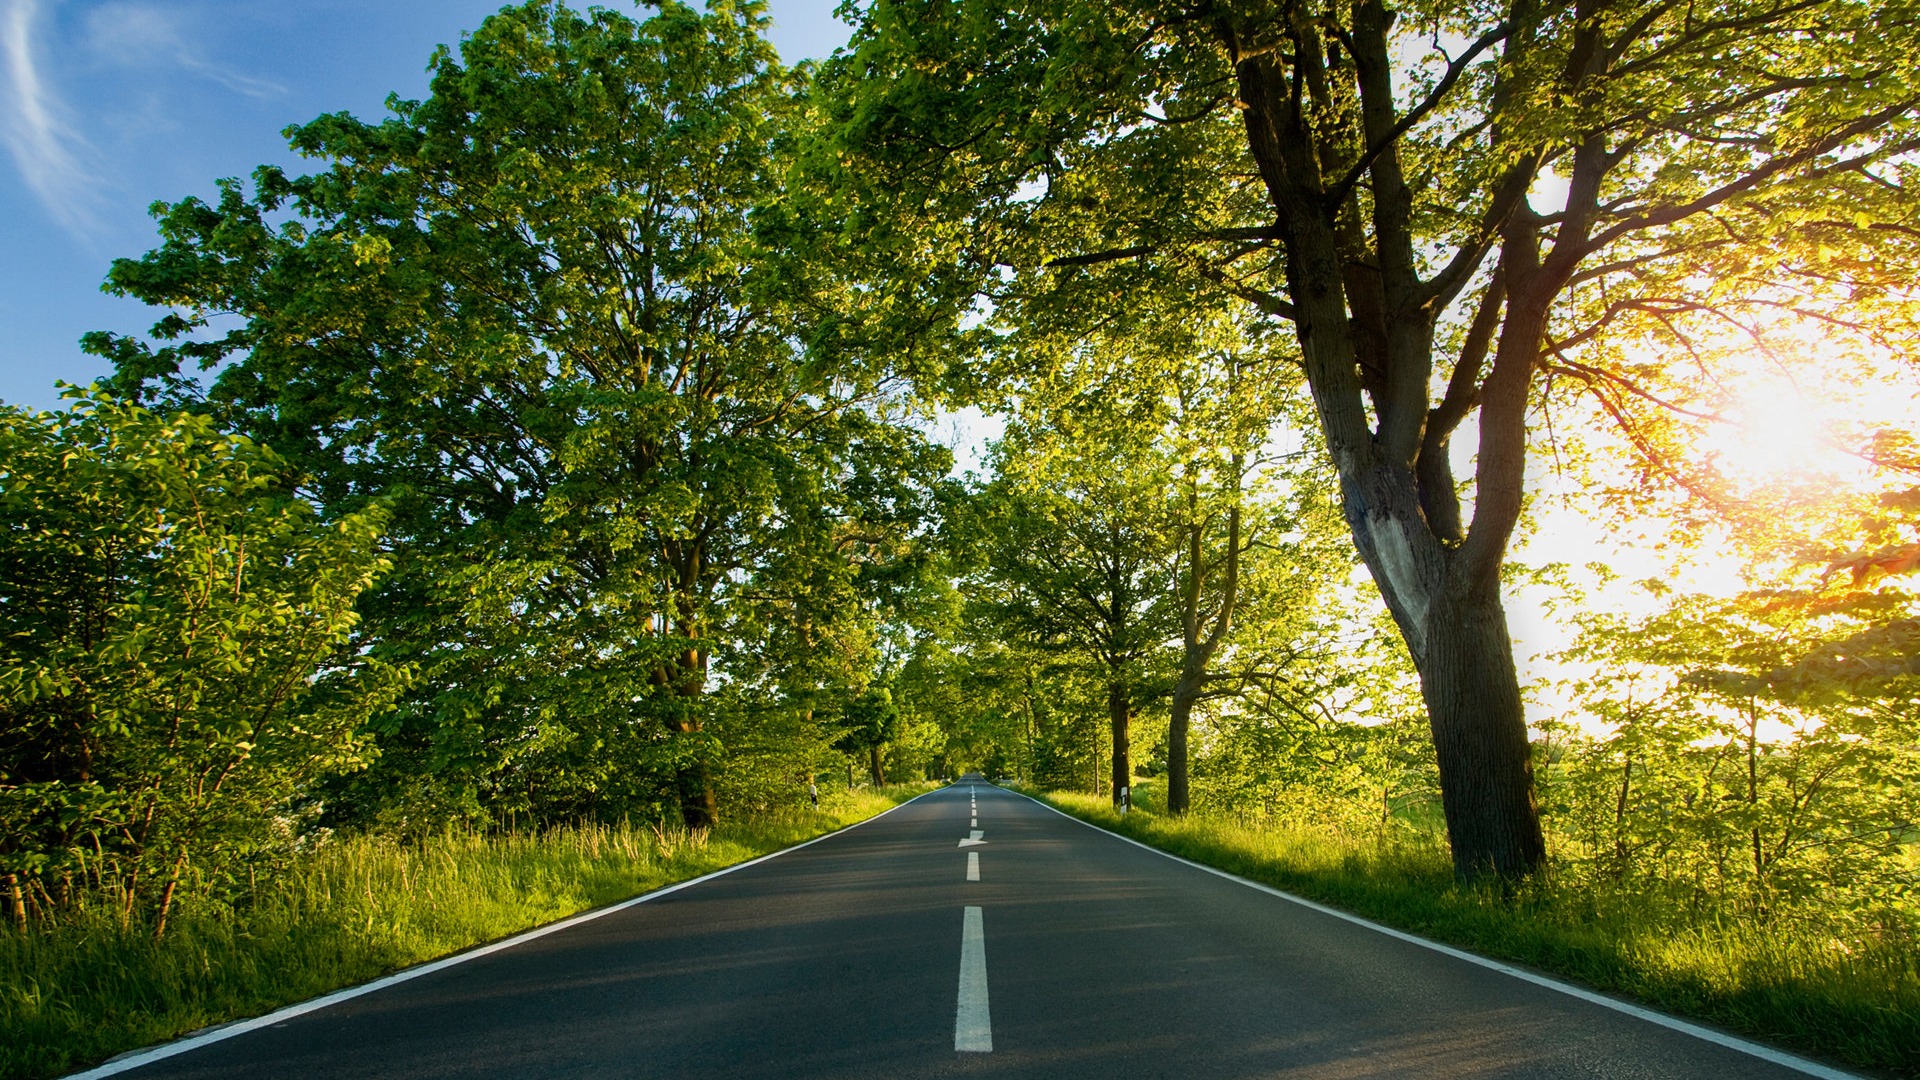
<point x="79" y="990"/>
<point x="1790" y="982"/>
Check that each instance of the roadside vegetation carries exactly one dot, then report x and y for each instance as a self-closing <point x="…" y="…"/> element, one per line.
<point x="546" y="480"/>
<point x="341" y="912"/>
<point x="1832" y="987"/>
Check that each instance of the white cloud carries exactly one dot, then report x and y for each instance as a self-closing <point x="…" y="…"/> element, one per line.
<point x="49" y="151"/>
<point x="144" y="35"/>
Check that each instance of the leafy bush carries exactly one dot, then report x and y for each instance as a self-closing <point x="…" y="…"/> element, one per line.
<point x="178" y="657"/>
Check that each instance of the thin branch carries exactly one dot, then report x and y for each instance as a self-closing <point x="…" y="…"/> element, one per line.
<point x="1338" y="194"/>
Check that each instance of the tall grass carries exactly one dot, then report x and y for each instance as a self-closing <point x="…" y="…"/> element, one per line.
<point x="75" y="991"/>
<point x="1854" y="998"/>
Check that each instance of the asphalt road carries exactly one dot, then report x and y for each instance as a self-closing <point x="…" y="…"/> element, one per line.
<point x="862" y="956"/>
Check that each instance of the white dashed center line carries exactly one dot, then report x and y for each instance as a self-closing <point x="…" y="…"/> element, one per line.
<point x="973" y="866"/>
<point x="972" y="1024"/>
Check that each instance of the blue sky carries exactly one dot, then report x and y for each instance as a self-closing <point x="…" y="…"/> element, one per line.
<point x="109" y="105"/>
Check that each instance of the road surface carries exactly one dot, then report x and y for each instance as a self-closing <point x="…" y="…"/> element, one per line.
<point x="970" y="933"/>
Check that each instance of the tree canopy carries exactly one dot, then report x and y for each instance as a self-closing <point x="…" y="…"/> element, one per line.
<point x="558" y="446"/>
<point x="540" y="304"/>
<point x="1374" y="178"/>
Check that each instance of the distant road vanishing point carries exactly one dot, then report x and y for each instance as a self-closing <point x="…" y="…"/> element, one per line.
<point x="970" y="932"/>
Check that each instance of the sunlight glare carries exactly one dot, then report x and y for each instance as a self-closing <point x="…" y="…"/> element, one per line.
<point x="1776" y="432"/>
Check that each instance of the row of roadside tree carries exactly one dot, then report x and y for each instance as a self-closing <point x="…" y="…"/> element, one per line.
<point x="556" y="449"/>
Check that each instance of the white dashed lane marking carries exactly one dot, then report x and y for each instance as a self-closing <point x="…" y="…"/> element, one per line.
<point x="972" y="1023"/>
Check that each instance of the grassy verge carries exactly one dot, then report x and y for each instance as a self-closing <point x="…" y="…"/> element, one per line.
<point x="75" y="993"/>
<point x="1795" y="985"/>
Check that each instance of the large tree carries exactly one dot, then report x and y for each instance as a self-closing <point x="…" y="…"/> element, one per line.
<point x="541" y="304"/>
<point x="1384" y="180"/>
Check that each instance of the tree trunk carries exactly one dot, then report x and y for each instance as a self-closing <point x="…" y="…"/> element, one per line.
<point x="1120" y="714"/>
<point x="876" y="766"/>
<point x="166" y="896"/>
<point x="1449" y="612"/>
<point x="1033" y="728"/>
<point x="1198" y="653"/>
<point x="694" y="779"/>
<point x="1185" y="693"/>
<point x="1480" y="738"/>
<point x="686" y="675"/>
<point x="698" y="809"/>
<point x="19" y="905"/>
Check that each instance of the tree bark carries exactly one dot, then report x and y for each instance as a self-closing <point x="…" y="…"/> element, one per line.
<point x="1448" y="608"/>
<point x="1185" y="693"/>
<point x="876" y="766"/>
<point x="1480" y="737"/>
<point x="1120" y="715"/>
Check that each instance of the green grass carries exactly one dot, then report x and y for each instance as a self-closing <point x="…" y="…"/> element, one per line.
<point x="77" y="992"/>
<point x="1791" y="984"/>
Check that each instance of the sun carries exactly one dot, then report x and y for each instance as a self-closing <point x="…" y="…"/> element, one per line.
<point x="1796" y="410"/>
<point x="1774" y="431"/>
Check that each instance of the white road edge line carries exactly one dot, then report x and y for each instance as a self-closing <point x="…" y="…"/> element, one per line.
<point x="972" y="1023"/>
<point x="166" y="1050"/>
<point x="1731" y="1042"/>
<point x="973" y="866"/>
